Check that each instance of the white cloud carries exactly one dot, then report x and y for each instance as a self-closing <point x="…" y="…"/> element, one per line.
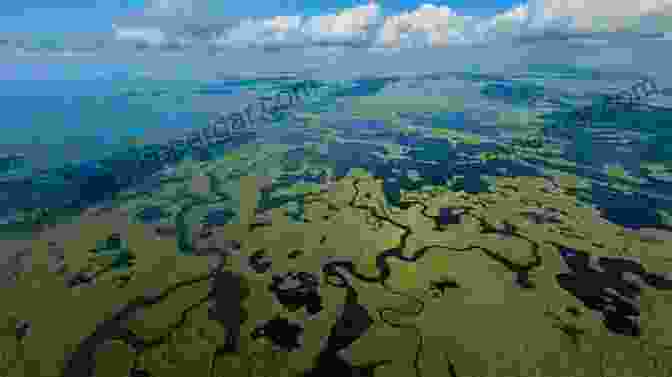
<point x="428" y="25"/>
<point x="588" y="42"/>
<point x="349" y="25"/>
<point x="276" y="30"/>
<point x="602" y="15"/>
<point x="370" y="26"/>
<point x="147" y="34"/>
<point x="170" y="8"/>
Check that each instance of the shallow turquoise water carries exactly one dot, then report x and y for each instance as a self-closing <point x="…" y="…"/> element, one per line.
<point x="94" y="118"/>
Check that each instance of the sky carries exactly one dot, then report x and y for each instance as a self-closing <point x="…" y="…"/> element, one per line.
<point x="173" y="40"/>
<point x="86" y="15"/>
<point x="225" y="37"/>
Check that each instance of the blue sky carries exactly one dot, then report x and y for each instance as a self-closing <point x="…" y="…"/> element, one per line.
<point x="98" y="15"/>
<point x="101" y="35"/>
<point x="90" y="39"/>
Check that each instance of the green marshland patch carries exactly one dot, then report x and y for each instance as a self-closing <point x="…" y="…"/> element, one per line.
<point x="456" y="136"/>
<point x="519" y="120"/>
<point x="386" y="107"/>
<point x="358" y="173"/>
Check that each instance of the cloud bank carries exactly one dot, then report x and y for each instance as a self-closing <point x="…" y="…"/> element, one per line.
<point x="178" y="25"/>
<point x="431" y="25"/>
<point x="426" y="26"/>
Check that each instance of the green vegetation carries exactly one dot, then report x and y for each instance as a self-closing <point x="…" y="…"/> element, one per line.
<point x="463" y="268"/>
<point x="657" y="170"/>
<point x="530" y="141"/>
<point x="358" y="173"/>
<point x="616" y="171"/>
<point x="386" y="107"/>
<point x="621" y="176"/>
<point x="430" y="281"/>
<point x="233" y="157"/>
<point x="521" y="121"/>
<point x="488" y="156"/>
<point x="393" y="149"/>
<point x="664" y="217"/>
<point x="409" y="130"/>
<point x="456" y="136"/>
<point x="302" y="188"/>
